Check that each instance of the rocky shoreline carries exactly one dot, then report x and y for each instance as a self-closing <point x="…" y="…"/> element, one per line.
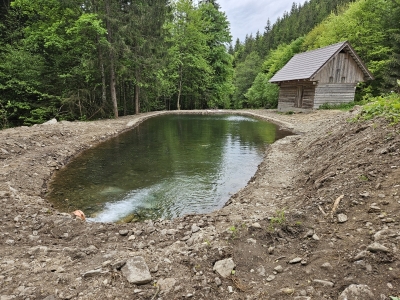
<point x="319" y="220"/>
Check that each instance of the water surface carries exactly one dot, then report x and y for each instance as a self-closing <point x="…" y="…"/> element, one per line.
<point x="168" y="166"/>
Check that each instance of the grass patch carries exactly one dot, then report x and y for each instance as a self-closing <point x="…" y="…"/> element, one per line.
<point x="340" y="106"/>
<point x="387" y="106"/>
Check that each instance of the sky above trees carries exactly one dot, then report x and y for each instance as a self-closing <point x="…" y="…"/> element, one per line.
<point x="248" y="16"/>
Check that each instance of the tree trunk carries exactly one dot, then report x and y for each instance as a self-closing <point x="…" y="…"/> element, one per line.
<point x="112" y="64"/>
<point x="178" y="104"/>
<point x="137" y="93"/>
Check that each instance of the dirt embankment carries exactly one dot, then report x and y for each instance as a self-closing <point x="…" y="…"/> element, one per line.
<point x="319" y="220"/>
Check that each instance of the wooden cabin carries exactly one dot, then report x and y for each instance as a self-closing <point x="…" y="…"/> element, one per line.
<point x="325" y="75"/>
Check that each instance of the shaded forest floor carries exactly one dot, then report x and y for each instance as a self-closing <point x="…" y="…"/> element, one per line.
<point x="321" y="214"/>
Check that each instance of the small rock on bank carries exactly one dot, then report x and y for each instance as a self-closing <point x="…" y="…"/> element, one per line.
<point x="136" y="271"/>
<point x="357" y="292"/>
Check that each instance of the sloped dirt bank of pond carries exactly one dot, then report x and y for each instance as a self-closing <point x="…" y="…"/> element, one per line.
<point x="319" y="220"/>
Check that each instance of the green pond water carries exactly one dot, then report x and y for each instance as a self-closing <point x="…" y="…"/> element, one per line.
<point x="168" y="166"/>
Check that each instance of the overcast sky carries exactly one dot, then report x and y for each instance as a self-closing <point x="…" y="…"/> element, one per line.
<point x="248" y="16"/>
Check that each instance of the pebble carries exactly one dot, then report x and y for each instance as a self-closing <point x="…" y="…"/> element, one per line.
<point x="278" y="269"/>
<point x="261" y="271"/>
<point x="361" y="255"/>
<point x="342" y="218"/>
<point x="295" y="260"/>
<point x="324" y="282"/>
<point x="376" y="247"/>
<point x="271" y="250"/>
<point x="374" y="209"/>
<point x="123" y="232"/>
<point x="224" y="267"/>
<point x="315" y="237"/>
<point x="92" y="273"/>
<point x="357" y="292"/>
<point x="218" y="281"/>
<point x="270" y="278"/>
<point x="256" y="225"/>
<point x="131" y="238"/>
<point x="327" y="266"/>
<point x="230" y="289"/>
<point x="195" y="228"/>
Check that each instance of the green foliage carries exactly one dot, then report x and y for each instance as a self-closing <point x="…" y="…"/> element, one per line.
<point x="278" y="219"/>
<point x="394" y="298"/>
<point x="262" y="93"/>
<point x="341" y="106"/>
<point x="245" y="74"/>
<point x="387" y="107"/>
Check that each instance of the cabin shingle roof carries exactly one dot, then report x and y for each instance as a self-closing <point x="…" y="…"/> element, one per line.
<point x="305" y="65"/>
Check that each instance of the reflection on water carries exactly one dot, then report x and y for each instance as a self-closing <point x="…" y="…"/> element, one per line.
<point x="168" y="166"/>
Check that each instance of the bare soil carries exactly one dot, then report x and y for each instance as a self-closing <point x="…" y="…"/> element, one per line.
<point x="321" y="213"/>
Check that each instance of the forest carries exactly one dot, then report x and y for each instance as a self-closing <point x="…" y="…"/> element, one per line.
<point x="91" y="59"/>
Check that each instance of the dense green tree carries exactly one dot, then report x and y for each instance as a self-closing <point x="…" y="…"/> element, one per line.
<point x="188" y="69"/>
<point x="245" y="73"/>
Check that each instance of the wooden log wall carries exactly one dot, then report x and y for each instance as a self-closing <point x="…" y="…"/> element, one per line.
<point x="288" y="93"/>
<point x="334" y="93"/>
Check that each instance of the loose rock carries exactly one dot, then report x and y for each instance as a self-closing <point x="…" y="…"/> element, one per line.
<point x="136" y="271"/>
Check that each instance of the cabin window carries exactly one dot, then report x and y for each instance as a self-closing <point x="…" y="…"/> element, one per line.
<point x="343" y="79"/>
<point x="331" y="79"/>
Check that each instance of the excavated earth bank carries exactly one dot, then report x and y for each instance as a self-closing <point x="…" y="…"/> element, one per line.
<point x="319" y="220"/>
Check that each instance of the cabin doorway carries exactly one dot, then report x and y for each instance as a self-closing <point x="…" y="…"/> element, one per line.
<point x="299" y="97"/>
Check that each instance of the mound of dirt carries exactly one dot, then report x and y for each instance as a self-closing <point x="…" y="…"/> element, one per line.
<point x="319" y="220"/>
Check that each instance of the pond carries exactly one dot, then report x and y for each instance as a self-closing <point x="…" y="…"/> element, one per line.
<point x="168" y="166"/>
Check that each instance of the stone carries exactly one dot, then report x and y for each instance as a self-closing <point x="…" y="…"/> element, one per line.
<point x="131" y="237"/>
<point x="50" y="122"/>
<point x="256" y="225"/>
<point x="382" y="234"/>
<point x="261" y="271"/>
<point x="172" y="231"/>
<point x="230" y="289"/>
<point x="302" y="298"/>
<point x="374" y="209"/>
<point x="324" y="282"/>
<point x="136" y="271"/>
<point x="327" y="266"/>
<point x="363" y="254"/>
<point x="166" y="284"/>
<point x="315" y="237"/>
<point x="195" y="228"/>
<point x="286" y="291"/>
<point x="224" y="267"/>
<point x="123" y="232"/>
<point x="357" y="292"/>
<point x="295" y="260"/>
<point x="270" y="278"/>
<point x="92" y="273"/>
<point x="376" y="247"/>
<point x="278" y="269"/>
<point x="271" y="250"/>
<point x="218" y="281"/>
<point x="342" y="218"/>
<point x="310" y="233"/>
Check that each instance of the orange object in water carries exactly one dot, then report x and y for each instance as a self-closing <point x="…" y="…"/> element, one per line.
<point x="79" y="214"/>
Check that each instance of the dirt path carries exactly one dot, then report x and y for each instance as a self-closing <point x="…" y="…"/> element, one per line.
<point x="320" y="218"/>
